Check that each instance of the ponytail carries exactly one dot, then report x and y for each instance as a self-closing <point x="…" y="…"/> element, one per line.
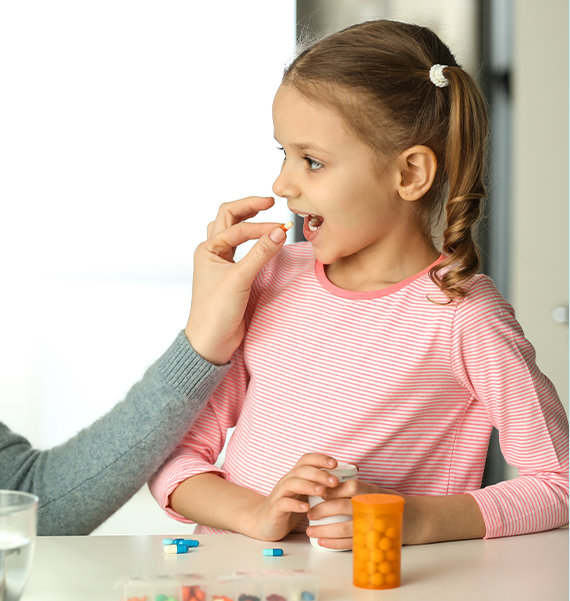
<point x="464" y="169"/>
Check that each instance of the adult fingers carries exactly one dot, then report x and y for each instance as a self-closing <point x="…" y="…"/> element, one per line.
<point x="261" y="252"/>
<point x="236" y="211"/>
<point x="224" y="243"/>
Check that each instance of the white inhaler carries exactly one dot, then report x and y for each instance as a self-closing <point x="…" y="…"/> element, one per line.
<point x="344" y="472"/>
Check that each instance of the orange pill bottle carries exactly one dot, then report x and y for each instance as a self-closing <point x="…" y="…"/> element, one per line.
<point x="377" y="540"/>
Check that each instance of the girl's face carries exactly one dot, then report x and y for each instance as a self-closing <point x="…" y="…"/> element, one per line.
<point x="330" y="177"/>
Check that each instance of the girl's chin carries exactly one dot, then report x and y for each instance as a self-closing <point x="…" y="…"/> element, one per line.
<point x="326" y="257"/>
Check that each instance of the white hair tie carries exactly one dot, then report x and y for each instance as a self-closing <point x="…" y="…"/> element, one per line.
<point x="437" y="77"/>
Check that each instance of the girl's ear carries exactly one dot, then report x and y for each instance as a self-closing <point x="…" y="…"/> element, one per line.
<point x="418" y="166"/>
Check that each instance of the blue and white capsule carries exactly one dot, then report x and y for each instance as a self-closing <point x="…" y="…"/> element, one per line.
<point x="175" y="549"/>
<point x="189" y="542"/>
<point x="273" y="552"/>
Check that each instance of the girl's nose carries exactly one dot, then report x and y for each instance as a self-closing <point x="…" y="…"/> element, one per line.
<point x="284" y="185"/>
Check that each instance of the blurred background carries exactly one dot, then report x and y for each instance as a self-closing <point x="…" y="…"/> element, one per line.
<point x="123" y="126"/>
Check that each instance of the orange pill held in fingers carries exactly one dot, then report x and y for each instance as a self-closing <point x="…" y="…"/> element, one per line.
<point x="286" y="226"/>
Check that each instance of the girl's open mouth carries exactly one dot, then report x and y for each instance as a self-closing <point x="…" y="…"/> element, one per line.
<point x="311" y="225"/>
<point x="314" y="222"/>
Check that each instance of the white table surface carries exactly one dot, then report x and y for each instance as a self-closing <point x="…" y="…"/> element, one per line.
<point x="532" y="567"/>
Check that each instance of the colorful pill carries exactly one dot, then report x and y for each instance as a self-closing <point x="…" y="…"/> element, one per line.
<point x="307" y="596"/>
<point x="175" y="549"/>
<point x="192" y="593"/>
<point x="167" y="541"/>
<point x="189" y="542"/>
<point x="178" y="541"/>
<point x="286" y="226"/>
<point x="273" y="552"/>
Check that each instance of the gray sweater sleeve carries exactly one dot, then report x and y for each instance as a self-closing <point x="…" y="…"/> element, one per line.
<point x="83" y="481"/>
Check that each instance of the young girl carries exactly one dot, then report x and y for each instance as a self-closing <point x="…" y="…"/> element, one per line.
<point x="366" y="344"/>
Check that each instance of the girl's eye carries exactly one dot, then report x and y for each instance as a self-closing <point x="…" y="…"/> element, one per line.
<point x="313" y="165"/>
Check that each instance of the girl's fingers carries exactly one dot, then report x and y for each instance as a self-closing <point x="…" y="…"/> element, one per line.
<point x="297" y="485"/>
<point x="286" y="505"/>
<point x="339" y="544"/>
<point x="348" y="489"/>
<point x="328" y="508"/>
<point x="333" y="536"/>
<point x="318" y="477"/>
<point x="318" y="460"/>
<point x="237" y="211"/>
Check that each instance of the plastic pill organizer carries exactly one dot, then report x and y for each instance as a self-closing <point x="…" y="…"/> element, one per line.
<point x="264" y="585"/>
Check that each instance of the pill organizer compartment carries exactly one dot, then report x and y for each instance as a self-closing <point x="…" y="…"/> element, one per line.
<point x="136" y="588"/>
<point x="264" y="585"/>
<point x="193" y="587"/>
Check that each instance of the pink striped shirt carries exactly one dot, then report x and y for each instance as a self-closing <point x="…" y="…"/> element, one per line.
<point x="407" y="388"/>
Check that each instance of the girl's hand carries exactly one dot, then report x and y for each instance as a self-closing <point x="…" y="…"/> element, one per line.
<point x="221" y="287"/>
<point x="337" y="501"/>
<point x="278" y="513"/>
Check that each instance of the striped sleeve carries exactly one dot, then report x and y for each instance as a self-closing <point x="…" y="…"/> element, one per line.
<point x="199" y="449"/>
<point x="495" y="362"/>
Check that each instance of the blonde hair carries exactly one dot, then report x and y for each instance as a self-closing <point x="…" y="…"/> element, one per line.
<point x="376" y="75"/>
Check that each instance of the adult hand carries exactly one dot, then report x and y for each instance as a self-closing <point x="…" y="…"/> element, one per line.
<point x="221" y="287"/>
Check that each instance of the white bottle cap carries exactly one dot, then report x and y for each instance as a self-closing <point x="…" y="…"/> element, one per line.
<point x="344" y="471"/>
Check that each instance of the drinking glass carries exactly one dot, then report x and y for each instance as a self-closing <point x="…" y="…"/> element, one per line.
<point x="18" y="517"/>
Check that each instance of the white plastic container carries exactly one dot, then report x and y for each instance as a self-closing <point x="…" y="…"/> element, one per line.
<point x="344" y="472"/>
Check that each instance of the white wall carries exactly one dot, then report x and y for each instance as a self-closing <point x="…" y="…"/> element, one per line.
<point x="123" y="125"/>
<point x="540" y="180"/>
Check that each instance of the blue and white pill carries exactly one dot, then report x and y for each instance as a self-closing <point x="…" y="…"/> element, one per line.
<point x="273" y="552"/>
<point x="175" y="549"/>
<point x="167" y="541"/>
